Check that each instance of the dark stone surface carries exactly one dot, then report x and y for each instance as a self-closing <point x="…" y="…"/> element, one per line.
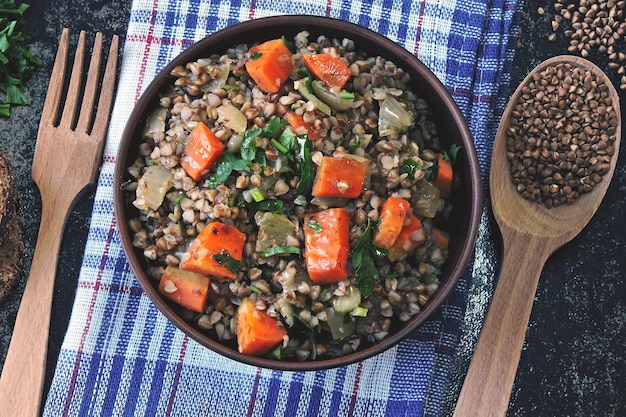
<point x="573" y="362"/>
<point x="45" y="19"/>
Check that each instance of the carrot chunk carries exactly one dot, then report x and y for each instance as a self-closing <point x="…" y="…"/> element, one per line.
<point x="443" y="180"/>
<point x="257" y="333"/>
<point x="392" y="216"/>
<point x="216" y="251"/>
<point x="299" y="126"/>
<point x="339" y="177"/>
<point x="411" y="236"/>
<point x="327" y="245"/>
<point x="442" y="239"/>
<point x="189" y="289"/>
<point x="270" y="65"/>
<point x="330" y="70"/>
<point x="202" y="150"/>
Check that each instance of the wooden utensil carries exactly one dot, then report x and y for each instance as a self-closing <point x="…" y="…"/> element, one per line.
<point x="66" y="161"/>
<point x="531" y="233"/>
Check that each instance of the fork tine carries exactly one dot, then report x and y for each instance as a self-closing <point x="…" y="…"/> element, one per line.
<point x="74" y="90"/>
<point x="91" y="86"/>
<point x="107" y="92"/>
<point x="50" y="110"/>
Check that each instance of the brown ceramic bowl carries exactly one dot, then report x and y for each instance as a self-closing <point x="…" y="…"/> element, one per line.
<point x="451" y="128"/>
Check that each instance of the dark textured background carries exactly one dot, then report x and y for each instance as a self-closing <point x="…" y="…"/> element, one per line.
<point x="573" y="362"/>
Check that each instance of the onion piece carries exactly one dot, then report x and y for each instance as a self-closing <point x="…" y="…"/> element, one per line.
<point x="232" y="118"/>
<point x="392" y="117"/>
<point x="348" y="302"/>
<point x="339" y="327"/>
<point x="337" y="100"/>
<point x="304" y="88"/>
<point x="426" y="200"/>
<point x="155" y="123"/>
<point x="326" y="202"/>
<point x="152" y="187"/>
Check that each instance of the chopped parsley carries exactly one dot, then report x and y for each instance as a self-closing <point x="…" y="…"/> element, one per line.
<point x="409" y="166"/>
<point x="228" y="261"/>
<point x="248" y="152"/>
<point x="307" y="326"/>
<point x="366" y="273"/>
<point x="313" y="224"/>
<point x="16" y="62"/>
<point x="355" y="144"/>
<point x="227" y="164"/>
<point x="275" y="206"/>
<point x="307" y="170"/>
<point x="452" y="153"/>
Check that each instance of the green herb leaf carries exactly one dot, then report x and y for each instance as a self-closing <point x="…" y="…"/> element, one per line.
<point x="307" y="169"/>
<point x="409" y="166"/>
<point x="17" y="63"/>
<point x="227" y="164"/>
<point x="304" y="71"/>
<point x="256" y="56"/>
<point x="228" y="261"/>
<point x="452" y="153"/>
<point x="275" y="206"/>
<point x="366" y="273"/>
<point x="313" y="224"/>
<point x="311" y="330"/>
<point x="355" y="145"/>
<point x="248" y="149"/>
<point x="272" y="130"/>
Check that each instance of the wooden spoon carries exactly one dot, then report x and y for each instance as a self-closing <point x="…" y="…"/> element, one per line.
<point x="531" y="233"/>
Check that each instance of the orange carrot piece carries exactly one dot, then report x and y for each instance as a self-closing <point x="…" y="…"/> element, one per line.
<point x="257" y="333"/>
<point x="299" y="126"/>
<point x="270" y="65"/>
<point x="339" y="177"/>
<point x="189" y="289"/>
<point x="330" y="70"/>
<point x="211" y="250"/>
<point x="327" y="245"/>
<point x="411" y="236"/>
<point x="443" y="180"/>
<point x="202" y="150"/>
<point x="392" y="216"/>
<point x="442" y="239"/>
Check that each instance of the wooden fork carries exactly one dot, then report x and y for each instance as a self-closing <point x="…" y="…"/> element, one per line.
<point x="66" y="161"/>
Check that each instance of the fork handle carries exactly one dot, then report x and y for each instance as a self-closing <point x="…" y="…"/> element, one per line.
<point x="22" y="379"/>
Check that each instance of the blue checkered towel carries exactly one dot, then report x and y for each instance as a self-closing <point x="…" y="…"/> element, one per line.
<point x="121" y="357"/>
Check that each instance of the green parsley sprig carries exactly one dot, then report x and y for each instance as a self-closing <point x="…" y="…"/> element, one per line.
<point x="16" y="62"/>
<point x="366" y="273"/>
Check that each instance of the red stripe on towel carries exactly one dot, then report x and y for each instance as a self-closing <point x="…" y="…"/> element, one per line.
<point x="420" y="22"/>
<point x="255" y="390"/>
<point x="179" y="369"/>
<point x="355" y="389"/>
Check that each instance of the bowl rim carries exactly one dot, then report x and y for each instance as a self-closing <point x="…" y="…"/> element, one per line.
<point x="399" y="54"/>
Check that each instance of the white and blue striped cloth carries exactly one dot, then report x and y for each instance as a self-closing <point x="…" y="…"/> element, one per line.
<point x="121" y="357"/>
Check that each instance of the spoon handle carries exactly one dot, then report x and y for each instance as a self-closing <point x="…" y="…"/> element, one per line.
<point x="489" y="380"/>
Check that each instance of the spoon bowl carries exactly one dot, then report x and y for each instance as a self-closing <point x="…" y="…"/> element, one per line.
<point x="531" y="232"/>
